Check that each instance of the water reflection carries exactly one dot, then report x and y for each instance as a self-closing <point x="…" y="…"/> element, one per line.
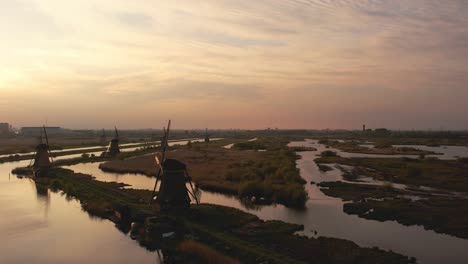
<point x="39" y="226"/>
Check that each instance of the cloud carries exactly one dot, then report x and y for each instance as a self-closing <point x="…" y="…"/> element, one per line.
<point x="135" y="19"/>
<point x="289" y="55"/>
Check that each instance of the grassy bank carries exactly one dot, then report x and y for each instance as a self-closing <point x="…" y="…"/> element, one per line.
<point x="381" y="148"/>
<point x="384" y="203"/>
<point x="444" y="174"/>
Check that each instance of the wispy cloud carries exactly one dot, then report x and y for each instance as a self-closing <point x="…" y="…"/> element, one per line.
<point x="273" y="54"/>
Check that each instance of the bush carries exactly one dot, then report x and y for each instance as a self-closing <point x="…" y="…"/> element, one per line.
<point x="414" y="172"/>
<point x="328" y="153"/>
<point x="382" y="145"/>
<point x="292" y="195"/>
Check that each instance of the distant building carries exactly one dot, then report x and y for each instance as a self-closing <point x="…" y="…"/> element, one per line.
<point x="36" y="131"/>
<point x="4" y="129"/>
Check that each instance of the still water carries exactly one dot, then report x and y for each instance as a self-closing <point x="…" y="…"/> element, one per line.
<point x="45" y="227"/>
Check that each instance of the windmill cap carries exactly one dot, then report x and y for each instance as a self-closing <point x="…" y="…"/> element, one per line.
<point x="42" y="146"/>
<point x="174" y="165"/>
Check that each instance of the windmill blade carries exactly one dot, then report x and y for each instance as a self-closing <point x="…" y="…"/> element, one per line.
<point x="45" y="133"/>
<point x="160" y="163"/>
<point x="40" y="137"/>
<point x="47" y="142"/>
<point x="165" y="144"/>
<point x="158" y="177"/>
<point x="191" y="186"/>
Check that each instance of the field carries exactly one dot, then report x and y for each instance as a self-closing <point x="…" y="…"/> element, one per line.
<point x="269" y="176"/>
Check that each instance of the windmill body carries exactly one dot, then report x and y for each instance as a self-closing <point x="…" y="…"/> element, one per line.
<point x="207" y="137"/>
<point x="42" y="159"/>
<point x="173" y="192"/>
<point x="113" y="149"/>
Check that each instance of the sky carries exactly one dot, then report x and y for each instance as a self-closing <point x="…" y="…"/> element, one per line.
<point x="235" y="63"/>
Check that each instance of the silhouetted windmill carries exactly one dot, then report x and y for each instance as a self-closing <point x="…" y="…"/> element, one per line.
<point x="207" y="137"/>
<point x="113" y="149"/>
<point x="173" y="174"/>
<point x="42" y="159"/>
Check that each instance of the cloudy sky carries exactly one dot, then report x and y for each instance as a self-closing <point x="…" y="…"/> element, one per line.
<point x="235" y="63"/>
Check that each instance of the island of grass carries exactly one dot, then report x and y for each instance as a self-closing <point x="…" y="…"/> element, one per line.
<point x="206" y="232"/>
<point x="433" y="208"/>
<point x="380" y="148"/>
<point x="268" y="176"/>
<point x="384" y="203"/>
<point x="449" y="175"/>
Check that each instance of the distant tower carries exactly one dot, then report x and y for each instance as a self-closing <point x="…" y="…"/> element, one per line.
<point x="113" y="148"/>
<point x="364" y="128"/>
<point x="42" y="160"/>
<point x="207" y="137"/>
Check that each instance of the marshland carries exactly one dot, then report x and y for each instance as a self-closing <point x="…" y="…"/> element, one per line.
<point x="364" y="208"/>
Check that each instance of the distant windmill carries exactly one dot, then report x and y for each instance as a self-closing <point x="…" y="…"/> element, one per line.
<point x="42" y="159"/>
<point x="113" y="149"/>
<point x="173" y="174"/>
<point x="207" y="137"/>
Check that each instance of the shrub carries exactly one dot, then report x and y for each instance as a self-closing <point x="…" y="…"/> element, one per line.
<point x="414" y="172"/>
<point x="328" y="153"/>
<point x="292" y="195"/>
<point x="382" y="145"/>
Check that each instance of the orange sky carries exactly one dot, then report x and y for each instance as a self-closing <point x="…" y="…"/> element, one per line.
<point x="235" y="64"/>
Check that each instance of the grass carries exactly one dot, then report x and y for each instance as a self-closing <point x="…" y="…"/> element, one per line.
<point x="381" y="147"/>
<point x="444" y="174"/>
<point x="432" y="212"/>
<point x="267" y="177"/>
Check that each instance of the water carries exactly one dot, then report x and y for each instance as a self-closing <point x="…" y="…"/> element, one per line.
<point x="447" y="152"/>
<point x="325" y="215"/>
<point x="45" y="227"/>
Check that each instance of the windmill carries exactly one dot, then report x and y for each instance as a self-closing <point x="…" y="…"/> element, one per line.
<point x="42" y="158"/>
<point x="207" y="137"/>
<point x="113" y="148"/>
<point x="173" y="174"/>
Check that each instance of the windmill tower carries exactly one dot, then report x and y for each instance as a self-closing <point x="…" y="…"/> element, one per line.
<point x="207" y="137"/>
<point x="174" y="176"/>
<point x="113" y="149"/>
<point x="42" y="159"/>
